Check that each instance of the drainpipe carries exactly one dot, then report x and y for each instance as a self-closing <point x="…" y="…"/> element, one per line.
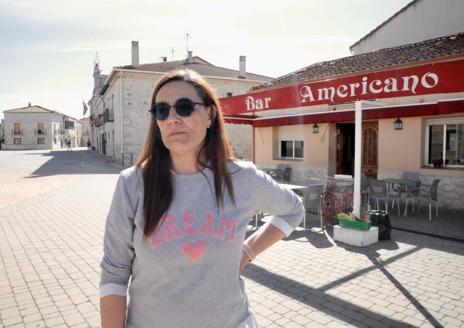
<point x="120" y="102"/>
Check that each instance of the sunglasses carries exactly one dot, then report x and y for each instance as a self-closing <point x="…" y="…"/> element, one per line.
<point x="184" y="107"/>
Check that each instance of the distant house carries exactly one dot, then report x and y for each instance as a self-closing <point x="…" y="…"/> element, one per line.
<point x="120" y="102"/>
<point x="1" y="133"/>
<point x="35" y="127"/>
<point x="418" y="21"/>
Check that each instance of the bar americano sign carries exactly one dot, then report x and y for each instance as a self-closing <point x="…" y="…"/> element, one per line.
<point x="444" y="77"/>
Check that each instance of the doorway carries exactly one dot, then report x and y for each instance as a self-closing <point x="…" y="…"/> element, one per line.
<point x="345" y="149"/>
<point x="103" y="138"/>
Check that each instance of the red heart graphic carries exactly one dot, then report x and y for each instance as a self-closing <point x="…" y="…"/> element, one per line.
<point x="194" y="250"/>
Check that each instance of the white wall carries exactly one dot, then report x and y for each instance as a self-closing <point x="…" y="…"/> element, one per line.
<point x="427" y="19"/>
<point x="28" y="123"/>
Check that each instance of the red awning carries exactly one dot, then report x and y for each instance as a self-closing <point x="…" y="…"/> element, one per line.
<point x="412" y="110"/>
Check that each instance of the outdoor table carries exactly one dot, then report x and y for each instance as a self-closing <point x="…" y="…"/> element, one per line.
<point x="292" y="187"/>
<point x="401" y="182"/>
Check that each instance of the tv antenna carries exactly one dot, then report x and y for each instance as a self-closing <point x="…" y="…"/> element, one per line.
<point x="187" y="37"/>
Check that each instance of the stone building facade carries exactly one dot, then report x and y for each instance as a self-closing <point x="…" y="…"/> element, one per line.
<point x="120" y="103"/>
<point x="86" y="134"/>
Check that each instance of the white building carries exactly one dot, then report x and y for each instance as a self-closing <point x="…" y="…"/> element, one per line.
<point x="119" y="105"/>
<point x="2" y="134"/>
<point x="418" y="21"/>
<point x="35" y="127"/>
<point x="86" y="131"/>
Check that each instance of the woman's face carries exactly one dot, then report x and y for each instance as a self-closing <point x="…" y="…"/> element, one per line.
<point x="183" y="135"/>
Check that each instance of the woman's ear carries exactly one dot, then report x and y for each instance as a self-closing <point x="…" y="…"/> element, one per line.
<point x="210" y="116"/>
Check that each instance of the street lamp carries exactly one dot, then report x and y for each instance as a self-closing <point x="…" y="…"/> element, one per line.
<point x="315" y="128"/>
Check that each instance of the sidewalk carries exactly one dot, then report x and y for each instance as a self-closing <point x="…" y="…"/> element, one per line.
<point x="51" y="246"/>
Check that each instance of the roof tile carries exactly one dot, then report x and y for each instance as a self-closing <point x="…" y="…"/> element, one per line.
<point x="450" y="45"/>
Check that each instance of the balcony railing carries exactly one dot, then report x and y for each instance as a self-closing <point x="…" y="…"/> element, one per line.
<point x="41" y="132"/>
<point x="17" y="132"/>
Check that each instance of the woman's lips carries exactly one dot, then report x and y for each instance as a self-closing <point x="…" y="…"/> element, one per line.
<point x="176" y="133"/>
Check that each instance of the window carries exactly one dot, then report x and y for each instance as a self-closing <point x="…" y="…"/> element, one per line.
<point x="40" y="141"/>
<point x="17" y="141"/>
<point x="69" y="125"/>
<point x="291" y="149"/>
<point x="444" y="143"/>
<point x="40" y="128"/>
<point x="17" y="129"/>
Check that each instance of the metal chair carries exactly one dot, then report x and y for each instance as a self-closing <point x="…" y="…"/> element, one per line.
<point x="378" y="191"/>
<point x="287" y="174"/>
<point x="431" y="196"/>
<point x="411" y="191"/>
<point x="312" y="200"/>
<point x="280" y="172"/>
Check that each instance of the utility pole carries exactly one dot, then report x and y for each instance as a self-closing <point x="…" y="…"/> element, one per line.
<point x="187" y="37"/>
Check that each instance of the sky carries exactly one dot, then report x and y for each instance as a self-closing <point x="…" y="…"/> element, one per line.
<point x="48" y="47"/>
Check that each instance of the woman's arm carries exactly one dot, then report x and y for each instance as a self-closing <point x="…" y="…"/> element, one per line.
<point x="284" y="205"/>
<point x="260" y="241"/>
<point x="113" y="311"/>
<point x="118" y="255"/>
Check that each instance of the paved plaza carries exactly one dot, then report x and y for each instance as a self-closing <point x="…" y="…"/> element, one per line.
<point x="53" y="206"/>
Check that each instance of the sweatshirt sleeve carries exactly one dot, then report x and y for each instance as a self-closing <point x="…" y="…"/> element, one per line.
<point x="271" y="197"/>
<point x="118" y="251"/>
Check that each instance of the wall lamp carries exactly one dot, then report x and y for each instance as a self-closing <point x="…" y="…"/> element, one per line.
<point x="315" y="128"/>
<point x="398" y="124"/>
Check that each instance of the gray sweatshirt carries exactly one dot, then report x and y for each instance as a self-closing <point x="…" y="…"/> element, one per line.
<point x="186" y="274"/>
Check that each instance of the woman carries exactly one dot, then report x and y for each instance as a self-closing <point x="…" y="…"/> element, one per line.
<point x="177" y="222"/>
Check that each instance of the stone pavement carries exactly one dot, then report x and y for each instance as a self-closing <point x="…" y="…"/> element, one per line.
<point x="51" y="244"/>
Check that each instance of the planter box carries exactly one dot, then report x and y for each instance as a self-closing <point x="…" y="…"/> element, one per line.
<point x="360" y="225"/>
<point x="354" y="237"/>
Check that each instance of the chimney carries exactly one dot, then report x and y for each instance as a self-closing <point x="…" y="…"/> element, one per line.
<point x="29" y="104"/>
<point x="135" y="53"/>
<point x="189" y="58"/>
<point x="242" y="65"/>
<point x="165" y="59"/>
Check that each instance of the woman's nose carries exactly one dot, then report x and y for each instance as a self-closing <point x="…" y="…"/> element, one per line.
<point x="173" y="115"/>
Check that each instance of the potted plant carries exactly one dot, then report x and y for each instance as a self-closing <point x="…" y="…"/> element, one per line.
<point x="349" y="220"/>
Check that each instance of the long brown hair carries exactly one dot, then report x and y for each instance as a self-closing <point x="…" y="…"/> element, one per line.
<point x="155" y="160"/>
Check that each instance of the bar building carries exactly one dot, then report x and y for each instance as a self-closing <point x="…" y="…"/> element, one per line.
<point x="305" y="119"/>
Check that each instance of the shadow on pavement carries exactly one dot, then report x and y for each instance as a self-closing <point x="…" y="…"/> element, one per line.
<point x="312" y="296"/>
<point x="315" y="298"/>
<point x="448" y="224"/>
<point x="430" y="318"/>
<point x="78" y="161"/>
<point x="317" y="239"/>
